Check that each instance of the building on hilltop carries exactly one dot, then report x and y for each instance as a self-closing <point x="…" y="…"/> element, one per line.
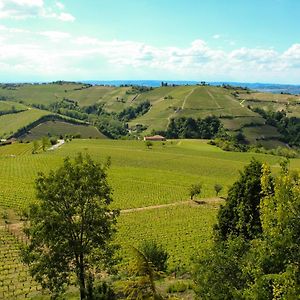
<point x="154" y="138"/>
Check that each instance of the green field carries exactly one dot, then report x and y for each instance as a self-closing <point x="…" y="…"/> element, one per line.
<point x="8" y="106"/>
<point x="58" y="128"/>
<point x="11" y="123"/>
<point x="272" y="102"/>
<point x="140" y="178"/>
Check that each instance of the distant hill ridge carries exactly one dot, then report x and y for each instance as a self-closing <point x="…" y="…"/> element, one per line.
<point x="234" y="106"/>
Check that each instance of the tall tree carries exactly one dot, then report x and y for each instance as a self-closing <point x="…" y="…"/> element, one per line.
<point x="240" y="214"/>
<point x="71" y="225"/>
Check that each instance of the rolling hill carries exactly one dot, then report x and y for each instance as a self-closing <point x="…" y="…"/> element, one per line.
<point x="233" y="106"/>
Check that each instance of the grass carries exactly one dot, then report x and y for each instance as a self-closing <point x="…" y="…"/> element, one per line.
<point x="10" y="123"/>
<point x="263" y="132"/>
<point x="57" y="128"/>
<point x="8" y="106"/>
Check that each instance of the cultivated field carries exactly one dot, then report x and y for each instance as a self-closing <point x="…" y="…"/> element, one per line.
<point x="57" y="128"/>
<point x="11" y="123"/>
<point x="154" y="180"/>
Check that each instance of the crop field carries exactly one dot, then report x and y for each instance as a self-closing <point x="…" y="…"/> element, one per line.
<point x="50" y="93"/>
<point x="10" y="123"/>
<point x="57" y="128"/>
<point x="273" y="102"/>
<point x="192" y="101"/>
<point x="184" y="230"/>
<point x="15" y="281"/>
<point x="140" y="178"/>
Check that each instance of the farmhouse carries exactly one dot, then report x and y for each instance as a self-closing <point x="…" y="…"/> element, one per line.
<point x="154" y="138"/>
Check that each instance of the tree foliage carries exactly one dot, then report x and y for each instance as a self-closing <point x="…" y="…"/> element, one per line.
<point x="264" y="265"/>
<point x="193" y="128"/>
<point x="141" y="284"/>
<point x="71" y="226"/>
<point x="195" y="189"/>
<point x="218" y="188"/>
<point x="155" y="254"/>
<point x="240" y="214"/>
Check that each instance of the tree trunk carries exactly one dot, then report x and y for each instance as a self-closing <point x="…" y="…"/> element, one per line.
<point x="82" y="279"/>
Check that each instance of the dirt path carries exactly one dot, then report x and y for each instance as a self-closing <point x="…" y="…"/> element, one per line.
<point x="16" y="227"/>
<point x="192" y="202"/>
<point x="185" y="98"/>
<point x="242" y="103"/>
<point x="59" y="144"/>
<point x="213" y="98"/>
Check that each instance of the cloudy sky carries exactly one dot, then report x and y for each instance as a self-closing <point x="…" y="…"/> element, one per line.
<point x="213" y="40"/>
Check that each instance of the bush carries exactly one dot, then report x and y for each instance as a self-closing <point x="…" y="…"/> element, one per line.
<point x="156" y="254"/>
<point x="178" y="287"/>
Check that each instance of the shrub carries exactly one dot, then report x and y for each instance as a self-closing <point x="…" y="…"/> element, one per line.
<point x="156" y="254"/>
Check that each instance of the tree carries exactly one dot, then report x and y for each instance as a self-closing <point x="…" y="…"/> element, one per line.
<point x="142" y="283"/>
<point x="71" y="226"/>
<point x="218" y="188"/>
<point x="149" y="144"/>
<point x="240" y="214"/>
<point x="264" y="265"/>
<point x="275" y="258"/>
<point x="45" y="143"/>
<point x="155" y="254"/>
<point x="35" y="147"/>
<point x="195" y="189"/>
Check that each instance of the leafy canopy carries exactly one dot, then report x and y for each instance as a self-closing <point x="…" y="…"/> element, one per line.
<point x="71" y="225"/>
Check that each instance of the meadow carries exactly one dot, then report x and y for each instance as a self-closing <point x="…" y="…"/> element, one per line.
<point x="140" y="178"/>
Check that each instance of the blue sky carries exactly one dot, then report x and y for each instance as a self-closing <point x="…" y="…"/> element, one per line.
<point x="230" y="40"/>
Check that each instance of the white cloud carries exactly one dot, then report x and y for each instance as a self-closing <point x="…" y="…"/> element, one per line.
<point x="24" y="9"/>
<point x="216" y="36"/>
<point x="57" y="54"/>
<point x="60" y="5"/>
<point x="55" y="36"/>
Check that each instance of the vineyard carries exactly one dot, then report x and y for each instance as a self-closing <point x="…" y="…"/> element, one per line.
<point x="140" y="177"/>
<point x="15" y="281"/>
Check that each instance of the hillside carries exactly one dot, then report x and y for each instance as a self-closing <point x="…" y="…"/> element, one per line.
<point x="27" y="123"/>
<point x="165" y="214"/>
<point x="235" y="107"/>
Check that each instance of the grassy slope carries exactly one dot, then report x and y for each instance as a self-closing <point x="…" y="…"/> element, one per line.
<point x="10" y="123"/>
<point x="193" y="101"/>
<point x="7" y="106"/>
<point x="274" y="102"/>
<point x="57" y="128"/>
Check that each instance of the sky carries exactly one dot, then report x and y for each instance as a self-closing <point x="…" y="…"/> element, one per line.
<point x="213" y="40"/>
